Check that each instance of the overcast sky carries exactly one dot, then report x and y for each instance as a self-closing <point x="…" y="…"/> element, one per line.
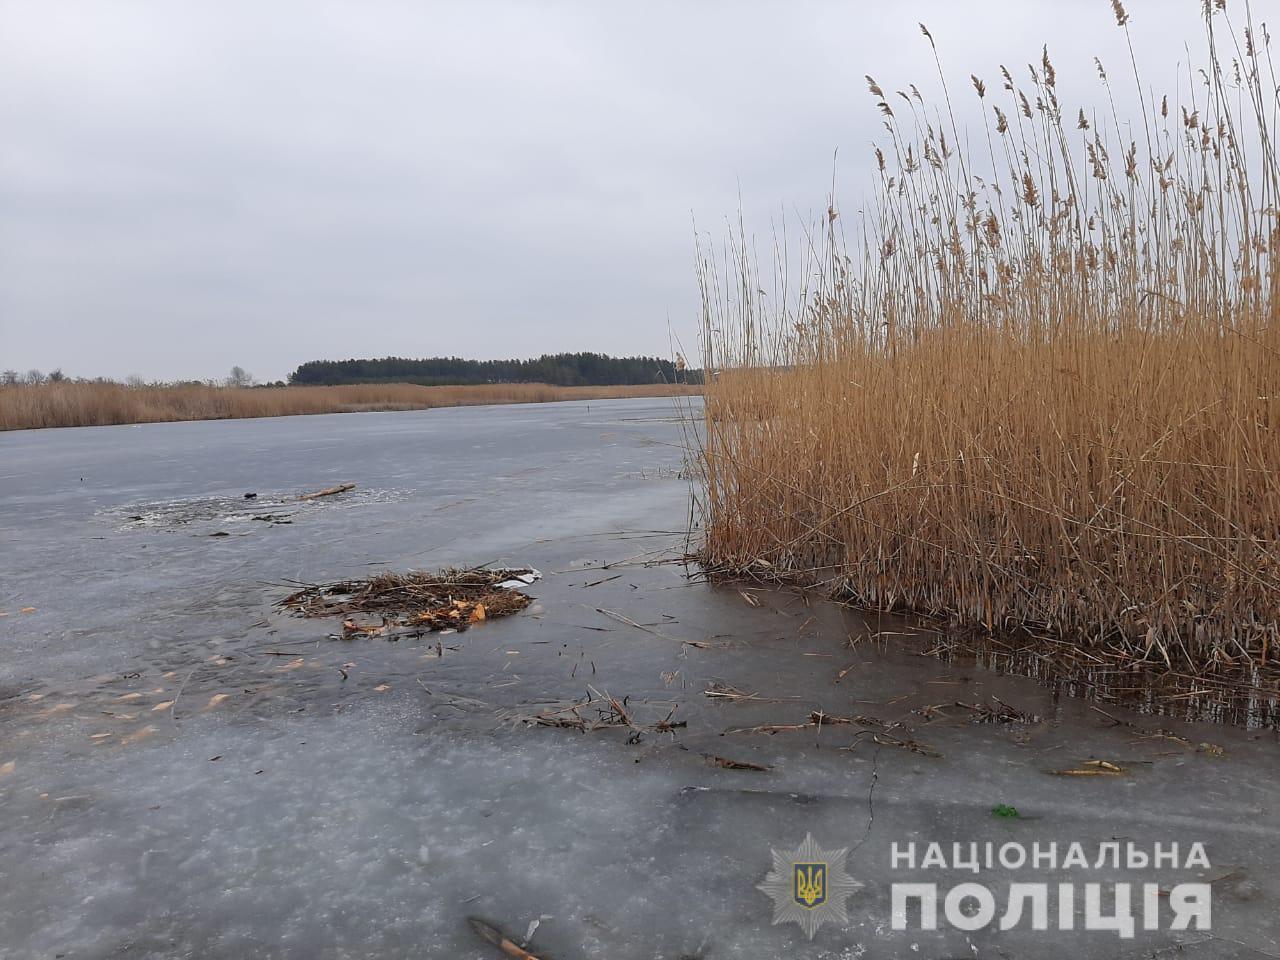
<point x="185" y="186"/>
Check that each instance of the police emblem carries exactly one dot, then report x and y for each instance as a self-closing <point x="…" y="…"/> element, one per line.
<point x="809" y="886"/>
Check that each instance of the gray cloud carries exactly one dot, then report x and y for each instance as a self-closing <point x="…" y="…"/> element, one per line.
<point x="189" y="185"/>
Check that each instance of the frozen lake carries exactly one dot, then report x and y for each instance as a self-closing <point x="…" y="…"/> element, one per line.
<point x="187" y="772"/>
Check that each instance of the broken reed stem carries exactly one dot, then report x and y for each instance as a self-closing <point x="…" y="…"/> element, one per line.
<point x="1037" y="389"/>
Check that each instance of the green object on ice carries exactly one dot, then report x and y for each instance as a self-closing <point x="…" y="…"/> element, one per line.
<point x="1004" y="811"/>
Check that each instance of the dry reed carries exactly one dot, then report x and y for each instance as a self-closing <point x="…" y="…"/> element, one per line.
<point x="1039" y="388"/>
<point x="97" y="404"/>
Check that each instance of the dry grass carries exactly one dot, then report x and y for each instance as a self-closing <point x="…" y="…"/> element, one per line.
<point x="97" y="404"/>
<point x="1041" y="386"/>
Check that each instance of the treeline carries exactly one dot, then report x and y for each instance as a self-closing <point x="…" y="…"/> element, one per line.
<point x="560" y="369"/>
<point x="240" y="377"/>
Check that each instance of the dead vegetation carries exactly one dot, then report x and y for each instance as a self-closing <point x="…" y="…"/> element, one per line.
<point x="724" y="692"/>
<point x="393" y="604"/>
<point x="491" y="934"/>
<point x="996" y="712"/>
<point x="64" y="404"/>
<point x="725" y="763"/>
<point x="1040" y="386"/>
<point x="870" y="728"/>
<point x="598" y="711"/>
<point x="1091" y="768"/>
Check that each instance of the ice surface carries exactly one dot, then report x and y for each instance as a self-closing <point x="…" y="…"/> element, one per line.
<point x="197" y="774"/>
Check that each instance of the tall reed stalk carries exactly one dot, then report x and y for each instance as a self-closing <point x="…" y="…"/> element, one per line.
<point x="1039" y="385"/>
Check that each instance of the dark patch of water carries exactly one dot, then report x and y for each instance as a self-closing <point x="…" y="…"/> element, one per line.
<point x="1248" y="698"/>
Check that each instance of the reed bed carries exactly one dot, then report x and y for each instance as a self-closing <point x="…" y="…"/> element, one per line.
<point x="1037" y="387"/>
<point x="98" y="404"/>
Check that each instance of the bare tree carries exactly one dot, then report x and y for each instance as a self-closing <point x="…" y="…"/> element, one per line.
<point x="9" y="377"/>
<point x="34" y="377"/>
<point x="57" y="376"/>
<point x="240" y="377"/>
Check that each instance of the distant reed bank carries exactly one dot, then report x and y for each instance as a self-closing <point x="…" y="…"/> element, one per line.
<point x="66" y="404"/>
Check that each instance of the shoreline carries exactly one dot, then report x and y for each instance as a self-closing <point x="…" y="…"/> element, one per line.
<point x="48" y="406"/>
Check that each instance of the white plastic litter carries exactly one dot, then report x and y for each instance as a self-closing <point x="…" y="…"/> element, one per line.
<point x="521" y="580"/>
